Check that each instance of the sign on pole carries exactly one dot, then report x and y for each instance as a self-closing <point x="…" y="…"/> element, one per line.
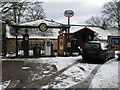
<point x="43" y="27"/>
<point x="68" y="13"/>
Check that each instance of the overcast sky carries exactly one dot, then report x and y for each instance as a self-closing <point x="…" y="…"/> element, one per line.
<point x="83" y="10"/>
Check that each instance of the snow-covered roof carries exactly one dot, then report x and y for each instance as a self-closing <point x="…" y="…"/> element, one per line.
<point x="35" y="33"/>
<point x="38" y="22"/>
<point x="103" y="33"/>
<point x="53" y="33"/>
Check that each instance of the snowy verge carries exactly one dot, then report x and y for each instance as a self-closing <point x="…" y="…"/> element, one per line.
<point x="5" y="85"/>
<point x="72" y="76"/>
<point x="107" y="76"/>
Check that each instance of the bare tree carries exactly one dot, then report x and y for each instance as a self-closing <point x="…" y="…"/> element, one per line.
<point x="21" y="11"/>
<point x="13" y="11"/>
<point x="98" y="21"/>
<point x="34" y="11"/>
<point x="95" y="21"/>
<point x="111" y="11"/>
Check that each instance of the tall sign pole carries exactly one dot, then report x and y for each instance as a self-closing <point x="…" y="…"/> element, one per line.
<point x="68" y="13"/>
<point x="68" y="28"/>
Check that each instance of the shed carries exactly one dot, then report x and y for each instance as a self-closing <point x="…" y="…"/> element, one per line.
<point x="83" y="35"/>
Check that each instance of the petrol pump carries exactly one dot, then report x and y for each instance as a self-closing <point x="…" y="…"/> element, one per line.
<point x="61" y="43"/>
<point x="48" y="47"/>
<point x="25" y="44"/>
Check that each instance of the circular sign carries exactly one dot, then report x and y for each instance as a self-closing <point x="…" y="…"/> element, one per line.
<point x="43" y="27"/>
<point x="68" y="13"/>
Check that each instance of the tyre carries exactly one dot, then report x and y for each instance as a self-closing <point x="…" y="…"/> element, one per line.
<point x="79" y="51"/>
<point x="106" y="58"/>
<point x="113" y="55"/>
<point x="85" y="59"/>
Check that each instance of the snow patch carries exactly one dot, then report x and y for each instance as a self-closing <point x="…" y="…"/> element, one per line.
<point x="72" y="76"/>
<point x="107" y="76"/>
<point x="25" y="68"/>
<point x="5" y="84"/>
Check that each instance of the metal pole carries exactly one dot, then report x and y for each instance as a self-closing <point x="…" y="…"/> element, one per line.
<point x="68" y="36"/>
<point x="16" y="46"/>
<point x="16" y="43"/>
<point x="68" y="29"/>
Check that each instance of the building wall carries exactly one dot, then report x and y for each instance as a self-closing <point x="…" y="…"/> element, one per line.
<point x="11" y="44"/>
<point x="3" y="38"/>
<point x="41" y="41"/>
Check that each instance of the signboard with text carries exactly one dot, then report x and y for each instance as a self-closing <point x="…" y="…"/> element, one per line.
<point x="69" y="13"/>
<point x="114" y="41"/>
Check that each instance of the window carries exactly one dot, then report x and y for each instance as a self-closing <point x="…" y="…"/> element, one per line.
<point x="92" y="46"/>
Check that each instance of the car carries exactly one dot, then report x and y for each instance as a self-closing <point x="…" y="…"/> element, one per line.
<point x="96" y="50"/>
<point x="118" y="56"/>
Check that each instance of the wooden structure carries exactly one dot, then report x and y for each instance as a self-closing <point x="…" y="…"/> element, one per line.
<point x="83" y="35"/>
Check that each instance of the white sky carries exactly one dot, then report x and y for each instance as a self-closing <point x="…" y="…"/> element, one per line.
<point x="83" y="10"/>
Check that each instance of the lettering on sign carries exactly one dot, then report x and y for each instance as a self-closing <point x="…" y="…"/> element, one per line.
<point x="69" y="13"/>
<point x="114" y="41"/>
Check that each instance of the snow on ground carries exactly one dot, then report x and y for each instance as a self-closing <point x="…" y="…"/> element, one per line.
<point x="6" y="83"/>
<point x="60" y="62"/>
<point x="72" y="76"/>
<point x="107" y="76"/>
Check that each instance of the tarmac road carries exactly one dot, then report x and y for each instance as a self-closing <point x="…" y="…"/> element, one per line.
<point x="12" y="70"/>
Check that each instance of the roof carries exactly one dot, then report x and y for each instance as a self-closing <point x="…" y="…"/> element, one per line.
<point x="85" y="28"/>
<point x="38" y="22"/>
<point x="36" y="33"/>
<point x="53" y="33"/>
<point x="102" y="33"/>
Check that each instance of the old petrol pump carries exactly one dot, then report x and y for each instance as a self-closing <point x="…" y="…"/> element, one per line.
<point x="48" y="47"/>
<point x="61" y="43"/>
<point x="25" y="44"/>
